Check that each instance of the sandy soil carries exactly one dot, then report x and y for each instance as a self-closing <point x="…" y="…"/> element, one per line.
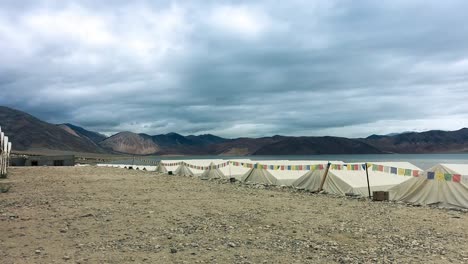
<point x="106" y="215"/>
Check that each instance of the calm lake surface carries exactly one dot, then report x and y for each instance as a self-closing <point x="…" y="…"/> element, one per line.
<point x="423" y="161"/>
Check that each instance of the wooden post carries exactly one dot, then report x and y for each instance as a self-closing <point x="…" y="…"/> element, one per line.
<point x="324" y="177"/>
<point x="368" y="185"/>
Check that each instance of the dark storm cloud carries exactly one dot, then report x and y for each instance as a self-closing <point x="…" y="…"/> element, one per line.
<point x="237" y="68"/>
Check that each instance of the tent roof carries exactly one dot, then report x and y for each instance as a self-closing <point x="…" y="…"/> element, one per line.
<point x="259" y="176"/>
<point x="397" y="164"/>
<point x="461" y="169"/>
<point x="183" y="170"/>
<point x="295" y="162"/>
<point x="357" y="179"/>
<point x="212" y="173"/>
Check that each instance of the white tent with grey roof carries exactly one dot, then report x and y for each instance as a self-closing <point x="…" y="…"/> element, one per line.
<point x="259" y="175"/>
<point x="285" y="175"/>
<point x="213" y="172"/>
<point x="183" y="170"/>
<point x="444" y="185"/>
<point x="161" y="168"/>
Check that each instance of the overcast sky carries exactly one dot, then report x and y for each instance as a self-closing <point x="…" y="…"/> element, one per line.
<point x="238" y="68"/>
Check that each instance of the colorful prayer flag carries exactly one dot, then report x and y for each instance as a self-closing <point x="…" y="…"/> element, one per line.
<point x="430" y="175"/>
<point x="456" y="178"/>
<point x="448" y="176"/>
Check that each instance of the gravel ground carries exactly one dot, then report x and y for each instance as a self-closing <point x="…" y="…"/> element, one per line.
<point x="107" y="215"/>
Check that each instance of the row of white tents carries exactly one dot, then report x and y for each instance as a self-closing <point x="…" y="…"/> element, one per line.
<point x="5" y="149"/>
<point x="415" y="186"/>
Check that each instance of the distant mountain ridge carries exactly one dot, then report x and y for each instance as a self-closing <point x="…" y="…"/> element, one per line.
<point x="434" y="141"/>
<point x="27" y="132"/>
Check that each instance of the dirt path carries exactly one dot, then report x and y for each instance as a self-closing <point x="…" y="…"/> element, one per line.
<point x="105" y="215"/>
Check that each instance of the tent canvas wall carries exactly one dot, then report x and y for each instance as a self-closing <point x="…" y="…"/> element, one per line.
<point x="443" y="193"/>
<point x="345" y="181"/>
<point x="212" y="173"/>
<point x="260" y="176"/>
<point x="171" y="165"/>
<point x="198" y="166"/>
<point x="288" y="177"/>
<point x="355" y="182"/>
<point x="236" y="171"/>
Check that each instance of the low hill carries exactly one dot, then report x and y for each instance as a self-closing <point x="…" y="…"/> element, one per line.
<point x="130" y="143"/>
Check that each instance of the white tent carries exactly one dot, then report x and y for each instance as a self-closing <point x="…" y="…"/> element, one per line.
<point x="161" y="168"/>
<point x="435" y="191"/>
<point x="5" y="150"/>
<point x="144" y="167"/>
<point x="198" y="166"/>
<point x="236" y="171"/>
<point x="171" y="165"/>
<point x="259" y="175"/>
<point x="183" y="170"/>
<point x="286" y="176"/>
<point x="310" y="181"/>
<point x="212" y="173"/>
<point x="343" y="181"/>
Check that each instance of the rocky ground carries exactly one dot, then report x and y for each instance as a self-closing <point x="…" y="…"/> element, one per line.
<point x="106" y="215"/>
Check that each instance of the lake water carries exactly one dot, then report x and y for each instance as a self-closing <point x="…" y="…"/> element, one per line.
<point x="423" y="161"/>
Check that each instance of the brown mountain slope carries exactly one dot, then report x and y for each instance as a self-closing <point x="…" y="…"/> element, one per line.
<point x="130" y="143"/>
<point x="316" y="146"/>
<point x="81" y="132"/>
<point x="69" y="130"/>
<point x="27" y="132"/>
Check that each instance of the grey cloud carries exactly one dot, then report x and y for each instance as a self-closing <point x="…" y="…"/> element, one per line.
<point x="298" y="67"/>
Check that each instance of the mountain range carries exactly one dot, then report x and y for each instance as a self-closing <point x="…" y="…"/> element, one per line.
<point x="28" y="132"/>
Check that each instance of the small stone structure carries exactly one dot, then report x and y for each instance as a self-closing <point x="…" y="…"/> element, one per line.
<point x="64" y="160"/>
